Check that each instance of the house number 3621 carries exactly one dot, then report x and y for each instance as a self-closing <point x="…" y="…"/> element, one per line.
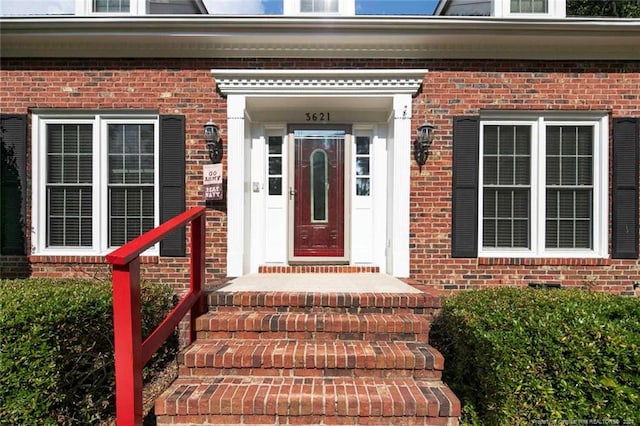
<point x="317" y="116"/>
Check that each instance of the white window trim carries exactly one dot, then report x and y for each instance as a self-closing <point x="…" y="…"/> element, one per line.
<point x="345" y="8"/>
<point x="600" y="124"/>
<point x="136" y="7"/>
<point x="99" y="184"/>
<point x="502" y="9"/>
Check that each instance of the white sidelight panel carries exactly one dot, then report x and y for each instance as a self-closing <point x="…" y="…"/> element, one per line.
<point x="362" y="193"/>
<point x="275" y="194"/>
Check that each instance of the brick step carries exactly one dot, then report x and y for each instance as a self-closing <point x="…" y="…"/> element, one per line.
<point x="390" y="303"/>
<point x="319" y="326"/>
<point x="289" y="400"/>
<point x="304" y="358"/>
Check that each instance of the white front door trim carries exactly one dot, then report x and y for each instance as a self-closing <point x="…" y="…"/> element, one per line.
<point x="398" y="85"/>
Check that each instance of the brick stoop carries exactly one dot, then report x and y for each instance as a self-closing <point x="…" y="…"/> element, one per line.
<point x="311" y="358"/>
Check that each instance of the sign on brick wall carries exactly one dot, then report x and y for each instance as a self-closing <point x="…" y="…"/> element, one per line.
<point x="212" y="182"/>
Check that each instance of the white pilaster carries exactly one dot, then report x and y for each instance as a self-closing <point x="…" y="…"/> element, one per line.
<point x="235" y="184"/>
<point x="400" y="187"/>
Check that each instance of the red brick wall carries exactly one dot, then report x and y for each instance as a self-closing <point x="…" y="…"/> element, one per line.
<point x="452" y="87"/>
<point x="464" y="88"/>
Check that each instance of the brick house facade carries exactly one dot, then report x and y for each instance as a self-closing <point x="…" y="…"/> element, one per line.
<point x="463" y="97"/>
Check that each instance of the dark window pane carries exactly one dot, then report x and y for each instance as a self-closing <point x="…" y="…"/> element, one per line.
<point x="147" y="169"/>
<point x="362" y="166"/>
<point x="504" y="233"/>
<point x="569" y="140"/>
<point x="117" y="232"/>
<point x="522" y="171"/>
<point x="362" y="186"/>
<point x="506" y="171"/>
<point x="568" y="171"/>
<point x="133" y="202"/>
<point x="56" y="232"/>
<point x="70" y="169"/>
<point x="134" y="228"/>
<point x="54" y="169"/>
<point x="520" y="233"/>
<point x="87" y="232"/>
<point x="489" y="233"/>
<point x="362" y="145"/>
<point x="585" y="140"/>
<point x="275" y="144"/>
<point x="523" y="140"/>
<point x="490" y="172"/>
<point x="551" y="234"/>
<point x="116" y="169"/>
<point x="146" y="139"/>
<point x="521" y="203"/>
<point x="506" y="143"/>
<point x="275" y="186"/>
<point x="490" y="140"/>
<point x="489" y="202"/>
<point x="147" y="224"/>
<point x="583" y="204"/>
<point x="566" y="204"/>
<point x="132" y="169"/>
<point x="585" y="171"/>
<point x="553" y="171"/>
<point x="553" y="140"/>
<point x="275" y="165"/>
<point x="147" y="202"/>
<point x="118" y="204"/>
<point x="583" y="234"/>
<point x="504" y="203"/>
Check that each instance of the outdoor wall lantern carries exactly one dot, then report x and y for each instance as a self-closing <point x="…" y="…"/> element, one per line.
<point x="214" y="141"/>
<point x="424" y="138"/>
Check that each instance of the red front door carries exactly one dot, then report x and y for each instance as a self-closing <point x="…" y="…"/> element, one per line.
<point x="318" y="228"/>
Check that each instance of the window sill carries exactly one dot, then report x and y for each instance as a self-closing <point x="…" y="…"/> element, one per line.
<point x="541" y="261"/>
<point x="83" y="259"/>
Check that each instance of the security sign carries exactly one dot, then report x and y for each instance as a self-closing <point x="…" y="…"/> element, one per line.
<point x="212" y="182"/>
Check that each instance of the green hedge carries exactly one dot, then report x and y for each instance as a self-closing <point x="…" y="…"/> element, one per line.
<point x="536" y="356"/>
<point x="56" y="349"/>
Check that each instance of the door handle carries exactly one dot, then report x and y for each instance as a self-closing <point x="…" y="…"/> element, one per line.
<point x="292" y="193"/>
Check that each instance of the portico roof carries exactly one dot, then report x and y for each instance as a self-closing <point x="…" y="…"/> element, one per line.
<point x="304" y="37"/>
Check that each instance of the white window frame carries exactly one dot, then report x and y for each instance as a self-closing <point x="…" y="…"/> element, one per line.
<point x="136" y="7"/>
<point x="556" y="9"/>
<point x="345" y="8"/>
<point x="100" y="206"/>
<point x="600" y="123"/>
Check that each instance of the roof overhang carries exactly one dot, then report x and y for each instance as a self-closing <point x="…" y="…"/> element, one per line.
<point x="354" y="37"/>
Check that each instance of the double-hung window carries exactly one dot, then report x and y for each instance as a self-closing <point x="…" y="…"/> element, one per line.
<point x="95" y="181"/>
<point x="110" y="7"/>
<point x="543" y="187"/>
<point x="529" y="8"/>
<point x="319" y="7"/>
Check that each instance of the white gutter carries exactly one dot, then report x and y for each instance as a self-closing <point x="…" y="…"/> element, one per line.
<point x="401" y="37"/>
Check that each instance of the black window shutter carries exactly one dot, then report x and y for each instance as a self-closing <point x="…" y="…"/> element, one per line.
<point x="13" y="181"/>
<point x="624" y="227"/>
<point x="172" y="181"/>
<point x="464" y="227"/>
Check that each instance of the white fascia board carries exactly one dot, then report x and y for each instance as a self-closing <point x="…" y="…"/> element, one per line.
<point x="354" y="37"/>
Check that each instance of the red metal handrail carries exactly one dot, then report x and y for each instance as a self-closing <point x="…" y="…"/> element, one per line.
<point x="131" y="354"/>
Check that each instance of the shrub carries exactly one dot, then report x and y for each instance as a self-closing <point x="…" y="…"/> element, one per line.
<point x="516" y="356"/>
<point x="56" y="341"/>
